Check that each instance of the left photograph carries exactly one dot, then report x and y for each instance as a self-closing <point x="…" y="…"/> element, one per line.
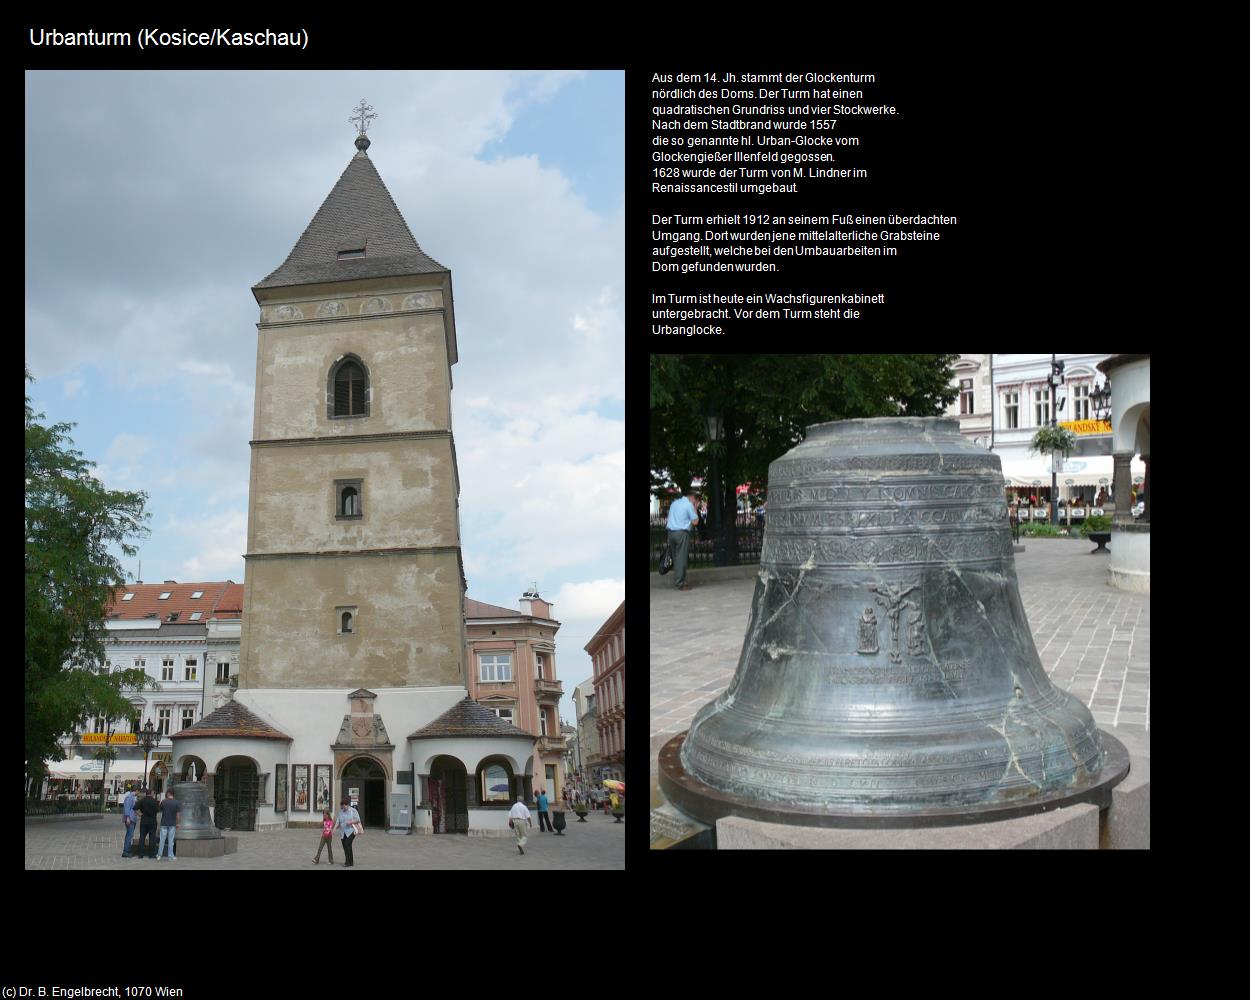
<point x="325" y="470"/>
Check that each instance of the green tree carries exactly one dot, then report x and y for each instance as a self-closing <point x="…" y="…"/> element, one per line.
<point x="71" y="520"/>
<point x="768" y="401"/>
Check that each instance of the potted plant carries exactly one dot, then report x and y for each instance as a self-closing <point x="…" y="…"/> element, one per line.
<point x="1053" y="439"/>
<point x="581" y="808"/>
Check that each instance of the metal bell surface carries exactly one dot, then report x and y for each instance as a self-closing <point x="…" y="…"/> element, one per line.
<point x="888" y="675"/>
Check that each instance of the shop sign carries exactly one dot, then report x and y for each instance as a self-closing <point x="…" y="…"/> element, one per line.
<point x="1080" y="427"/>
<point x="103" y="738"/>
<point x="164" y="757"/>
<point x="1097" y="512"/>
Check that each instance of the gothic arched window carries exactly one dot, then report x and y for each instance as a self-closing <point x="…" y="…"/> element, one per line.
<point x="348" y="390"/>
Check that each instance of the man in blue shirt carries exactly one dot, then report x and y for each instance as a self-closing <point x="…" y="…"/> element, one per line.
<point x="544" y="816"/>
<point x="681" y="516"/>
<point x="130" y="819"/>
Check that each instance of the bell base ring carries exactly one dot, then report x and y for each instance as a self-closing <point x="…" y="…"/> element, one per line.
<point x="707" y="804"/>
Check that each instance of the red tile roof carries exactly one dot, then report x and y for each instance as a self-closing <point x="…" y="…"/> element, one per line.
<point x="231" y="603"/>
<point x="232" y="719"/>
<point x="467" y="718"/>
<point x="147" y="600"/>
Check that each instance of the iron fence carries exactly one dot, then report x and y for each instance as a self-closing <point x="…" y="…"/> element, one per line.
<point x="748" y="530"/>
<point x="56" y="807"/>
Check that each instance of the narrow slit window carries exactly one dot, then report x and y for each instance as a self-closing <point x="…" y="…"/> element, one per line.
<point x="347" y="623"/>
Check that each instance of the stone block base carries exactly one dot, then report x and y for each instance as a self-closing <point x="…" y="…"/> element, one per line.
<point x="1073" y="828"/>
<point x="206" y="848"/>
<point x="1126" y="825"/>
<point x="1133" y="582"/>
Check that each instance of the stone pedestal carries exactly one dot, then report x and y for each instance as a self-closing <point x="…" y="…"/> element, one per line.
<point x="1073" y="828"/>
<point x="1130" y="557"/>
<point x="206" y="848"/>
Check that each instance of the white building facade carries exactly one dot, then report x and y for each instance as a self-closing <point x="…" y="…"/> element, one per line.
<point x="176" y="633"/>
<point x="1022" y="404"/>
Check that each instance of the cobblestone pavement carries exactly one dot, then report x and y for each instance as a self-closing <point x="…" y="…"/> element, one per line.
<point x="599" y="843"/>
<point x="1094" y="641"/>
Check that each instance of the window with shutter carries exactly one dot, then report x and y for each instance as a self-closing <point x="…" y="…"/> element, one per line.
<point x="350" y="388"/>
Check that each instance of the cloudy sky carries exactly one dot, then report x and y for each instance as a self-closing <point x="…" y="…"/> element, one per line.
<point x="154" y="201"/>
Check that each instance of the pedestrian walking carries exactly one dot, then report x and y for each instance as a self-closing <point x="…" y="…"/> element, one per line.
<point x="171" y="818"/>
<point x="327" y="837"/>
<point x="681" y="515"/>
<point x="350" y="828"/>
<point x="518" y="817"/>
<point x="544" y="816"/>
<point x="130" y="818"/>
<point x="148" y="809"/>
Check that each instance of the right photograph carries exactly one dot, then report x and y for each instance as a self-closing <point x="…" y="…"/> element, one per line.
<point x="899" y="601"/>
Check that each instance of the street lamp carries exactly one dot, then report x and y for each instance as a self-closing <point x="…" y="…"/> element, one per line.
<point x="715" y="432"/>
<point x="148" y="738"/>
<point x="1056" y="380"/>
<point x="1101" y="398"/>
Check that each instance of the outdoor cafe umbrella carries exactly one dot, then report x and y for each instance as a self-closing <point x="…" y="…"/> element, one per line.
<point x="618" y="785"/>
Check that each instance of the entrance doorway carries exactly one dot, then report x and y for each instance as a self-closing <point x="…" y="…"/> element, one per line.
<point x="364" y="779"/>
<point x="235" y="793"/>
<point x="449" y="784"/>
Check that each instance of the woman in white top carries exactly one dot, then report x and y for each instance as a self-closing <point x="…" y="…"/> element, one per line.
<point x="349" y="826"/>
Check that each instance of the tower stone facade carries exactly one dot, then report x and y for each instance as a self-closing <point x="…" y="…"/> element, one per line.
<point x="354" y="574"/>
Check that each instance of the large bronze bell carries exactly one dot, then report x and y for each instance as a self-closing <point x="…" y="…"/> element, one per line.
<point x="888" y="676"/>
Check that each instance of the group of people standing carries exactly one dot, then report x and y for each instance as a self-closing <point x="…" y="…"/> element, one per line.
<point x="142" y="811"/>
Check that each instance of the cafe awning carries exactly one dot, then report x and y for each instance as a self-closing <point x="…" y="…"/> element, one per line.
<point x="89" y="769"/>
<point x="1090" y="471"/>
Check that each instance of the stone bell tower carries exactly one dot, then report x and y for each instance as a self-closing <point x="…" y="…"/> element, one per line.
<point x="354" y="575"/>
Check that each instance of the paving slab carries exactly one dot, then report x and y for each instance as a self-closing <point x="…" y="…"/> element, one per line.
<point x="599" y="843"/>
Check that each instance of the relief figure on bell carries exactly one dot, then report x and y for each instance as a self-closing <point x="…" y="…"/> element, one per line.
<point x="868" y="632"/>
<point x="915" y="630"/>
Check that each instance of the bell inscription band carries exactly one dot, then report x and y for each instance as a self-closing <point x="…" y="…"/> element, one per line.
<point x="888" y="676"/>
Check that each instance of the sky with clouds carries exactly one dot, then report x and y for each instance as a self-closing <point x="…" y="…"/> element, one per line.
<point x="155" y="200"/>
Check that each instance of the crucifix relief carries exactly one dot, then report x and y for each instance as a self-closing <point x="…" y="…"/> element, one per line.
<point x="890" y="597"/>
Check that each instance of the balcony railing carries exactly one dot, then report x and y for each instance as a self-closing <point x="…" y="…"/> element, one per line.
<point x="548" y="690"/>
<point x="550" y="744"/>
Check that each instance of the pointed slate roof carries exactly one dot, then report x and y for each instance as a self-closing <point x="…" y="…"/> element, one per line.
<point x="468" y="718"/>
<point x="358" y="211"/>
<point x="232" y="719"/>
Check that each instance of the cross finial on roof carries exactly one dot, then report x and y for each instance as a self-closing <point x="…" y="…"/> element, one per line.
<point x="362" y="115"/>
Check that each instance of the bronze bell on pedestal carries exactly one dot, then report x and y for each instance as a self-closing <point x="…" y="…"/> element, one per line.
<point x="888" y="676"/>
